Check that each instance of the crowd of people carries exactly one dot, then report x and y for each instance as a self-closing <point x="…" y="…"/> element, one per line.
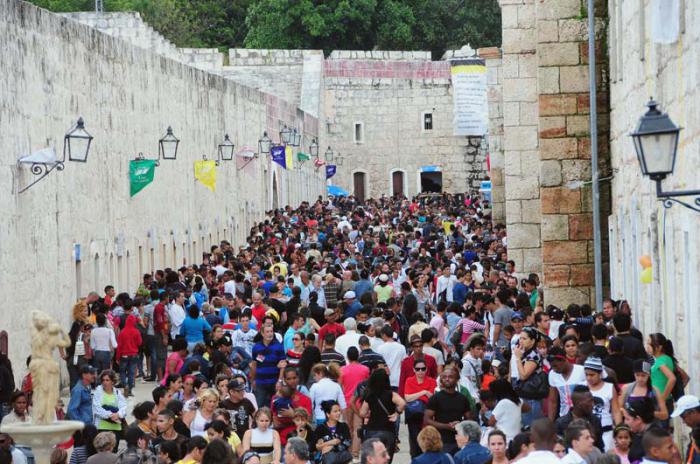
<point x="310" y="342"/>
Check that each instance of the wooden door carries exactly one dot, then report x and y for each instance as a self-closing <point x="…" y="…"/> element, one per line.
<point x="397" y="180"/>
<point x="359" y="186"/>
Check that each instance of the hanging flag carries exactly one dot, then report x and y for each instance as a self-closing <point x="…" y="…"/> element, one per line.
<point x="318" y="163"/>
<point x="330" y="171"/>
<point x="141" y="174"/>
<point x="205" y="172"/>
<point x="289" y="156"/>
<point x="301" y="156"/>
<point x="278" y="155"/>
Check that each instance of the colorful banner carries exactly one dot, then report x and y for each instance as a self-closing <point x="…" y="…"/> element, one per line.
<point x="205" y="172"/>
<point x="301" y="156"/>
<point x="471" y="111"/>
<point x="141" y="173"/>
<point x="278" y="155"/>
<point x="289" y="156"/>
<point x="330" y="171"/>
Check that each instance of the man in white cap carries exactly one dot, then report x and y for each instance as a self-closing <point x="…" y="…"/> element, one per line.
<point x="353" y="306"/>
<point x="688" y="409"/>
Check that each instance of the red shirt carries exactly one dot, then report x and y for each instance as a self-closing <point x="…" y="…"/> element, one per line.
<point x="285" y="425"/>
<point x="407" y="370"/>
<point x="160" y="320"/>
<point x="331" y="327"/>
<point x="129" y="339"/>
<point x="412" y="386"/>
<point x="258" y="313"/>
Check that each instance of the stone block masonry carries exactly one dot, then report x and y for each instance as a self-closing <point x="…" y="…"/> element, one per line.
<point x="546" y="101"/>
<point x="128" y="96"/>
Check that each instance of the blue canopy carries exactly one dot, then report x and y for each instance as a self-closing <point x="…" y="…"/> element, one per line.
<point x="336" y="191"/>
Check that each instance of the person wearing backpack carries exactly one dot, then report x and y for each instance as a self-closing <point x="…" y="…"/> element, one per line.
<point x="666" y="375"/>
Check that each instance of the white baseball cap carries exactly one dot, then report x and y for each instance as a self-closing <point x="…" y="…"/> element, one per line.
<point x="685" y="403"/>
<point x="349" y="295"/>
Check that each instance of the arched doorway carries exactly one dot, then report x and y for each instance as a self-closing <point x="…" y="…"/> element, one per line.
<point x="398" y="179"/>
<point x="359" y="181"/>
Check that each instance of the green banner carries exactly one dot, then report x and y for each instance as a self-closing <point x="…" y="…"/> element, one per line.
<point x="141" y="174"/>
<point x="301" y="156"/>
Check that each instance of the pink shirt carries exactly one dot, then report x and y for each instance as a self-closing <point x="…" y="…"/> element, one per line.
<point x="180" y="362"/>
<point x="351" y="376"/>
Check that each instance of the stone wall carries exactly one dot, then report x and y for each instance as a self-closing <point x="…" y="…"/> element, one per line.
<point x="520" y="134"/>
<point x="565" y="149"/>
<point x="639" y="225"/>
<point x="387" y="94"/>
<point x="494" y="69"/>
<point x="128" y="96"/>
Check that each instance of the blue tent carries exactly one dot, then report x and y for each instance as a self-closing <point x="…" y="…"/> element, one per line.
<point x="336" y="191"/>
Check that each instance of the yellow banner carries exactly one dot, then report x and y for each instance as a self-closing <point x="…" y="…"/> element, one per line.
<point x="468" y="68"/>
<point x="205" y="172"/>
<point x="289" y="156"/>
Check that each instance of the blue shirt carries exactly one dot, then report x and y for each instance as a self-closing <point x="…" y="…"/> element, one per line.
<point x="472" y="453"/>
<point x="353" y="309"/>
<point x="266" y="358"/>
<point x="459" y="293"/>
<point x="193" y="329"/>
<point x="288" y="336"/>
<point x="80" y="405"/>
<point x="361" y="287"/>
<point x="431" y="457"/>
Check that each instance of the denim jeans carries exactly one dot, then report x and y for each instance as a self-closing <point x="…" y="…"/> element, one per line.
<point x="102" y="360"/>
<point x="127" y="370"/>
<point x="263" y="394"/>
<point x="535" y="412"/>
<point x="414" y="427"/>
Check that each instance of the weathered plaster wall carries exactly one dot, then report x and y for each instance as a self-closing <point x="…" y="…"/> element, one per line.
<point x="57" y="70"/>
<point x="639" y="225"/>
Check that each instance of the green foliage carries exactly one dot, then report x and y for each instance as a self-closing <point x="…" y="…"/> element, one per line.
<point x="435" y="25"/>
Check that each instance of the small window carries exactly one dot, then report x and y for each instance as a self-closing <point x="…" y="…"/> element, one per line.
<point x="427" y="121"/>
<point x="359" y="134"/>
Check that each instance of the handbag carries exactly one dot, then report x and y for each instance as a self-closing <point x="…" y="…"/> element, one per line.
<point x="414" y="409"/>
<point x="336" y="457"/>
<point x="535" y="387"/>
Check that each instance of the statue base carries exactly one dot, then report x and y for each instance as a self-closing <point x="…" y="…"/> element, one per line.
<point x="42" y="438"/>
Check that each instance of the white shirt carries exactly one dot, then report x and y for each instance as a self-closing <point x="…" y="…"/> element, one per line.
<point x="177" y="317"/>
<point x="572" y="457"/>
<point x="345" y="341"/>
<point x="393" y="353"/>
<point x="508" y="418"/>
<point x="324" y="390"/>
<point x="540" y="457"/>
<point x="102" y="339"/>
<point x="566" y="386"/>
<point x="230" y="287"/>
<point x="446" y="283"/>
<point x="469" y="376"/>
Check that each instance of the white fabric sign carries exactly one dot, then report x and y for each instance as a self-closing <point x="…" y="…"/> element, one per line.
<point x="469" y="97"/>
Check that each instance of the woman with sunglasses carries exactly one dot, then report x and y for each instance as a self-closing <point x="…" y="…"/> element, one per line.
<point x="294" y="353"/>
<point x="418" y="387"/>
<point x="528" y="363"/>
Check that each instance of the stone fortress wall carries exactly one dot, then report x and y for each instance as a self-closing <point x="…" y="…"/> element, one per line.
<point x="58" y="70"/>
<point x="386" y="92"/>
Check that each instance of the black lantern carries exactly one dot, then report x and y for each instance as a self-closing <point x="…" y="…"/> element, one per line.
<point x="168" y="145"/>
<point x="328" y="155"/>
<point x="265" y="144"/>
<point x="656" y="143"/>
<point x="226" y="149"/>
<point x="313" y="149"/>
<point x="286" y="135"/>
<point x="76" y="143"/>
<point x="295" y="138"/>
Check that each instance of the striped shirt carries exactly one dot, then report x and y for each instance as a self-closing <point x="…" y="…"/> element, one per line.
<point x="266" y="358"/>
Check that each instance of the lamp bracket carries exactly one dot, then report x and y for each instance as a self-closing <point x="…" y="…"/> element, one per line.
<point x="42" y="170"/>
<point x="668" y="199"/>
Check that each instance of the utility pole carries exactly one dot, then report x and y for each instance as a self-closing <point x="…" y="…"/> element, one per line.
<point x="99" y="6"/>
<point x="597" y="245"/>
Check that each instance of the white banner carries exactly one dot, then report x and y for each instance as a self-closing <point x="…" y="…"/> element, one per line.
<point x="471" y="112"/>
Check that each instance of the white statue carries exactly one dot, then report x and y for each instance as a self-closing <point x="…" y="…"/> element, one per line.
<point x="46" y="336"/>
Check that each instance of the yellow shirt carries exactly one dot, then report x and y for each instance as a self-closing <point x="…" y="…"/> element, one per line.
<point x="189" y="461"/>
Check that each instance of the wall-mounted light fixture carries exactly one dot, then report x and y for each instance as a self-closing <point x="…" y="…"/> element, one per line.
<point x="76" y="144"/>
